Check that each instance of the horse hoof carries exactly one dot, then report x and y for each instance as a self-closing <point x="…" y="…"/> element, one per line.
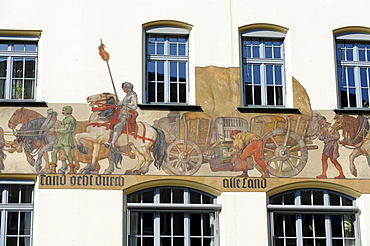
<point x="108" y="171"/>
<point x="129" y="172"/>
<point x="45" y="171"/>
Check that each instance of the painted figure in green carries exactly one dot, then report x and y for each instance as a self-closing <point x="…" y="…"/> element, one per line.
<point x="65" y="139"/>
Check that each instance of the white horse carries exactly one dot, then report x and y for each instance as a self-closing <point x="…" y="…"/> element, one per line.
<point x="137" y="140"/>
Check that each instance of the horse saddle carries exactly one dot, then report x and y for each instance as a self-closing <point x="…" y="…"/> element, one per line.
<point x="131" y="125"/>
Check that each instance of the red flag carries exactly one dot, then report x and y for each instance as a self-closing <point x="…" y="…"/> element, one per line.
<point x="104" y="55"/>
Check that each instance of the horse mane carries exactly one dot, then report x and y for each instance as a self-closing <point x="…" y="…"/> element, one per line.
<point x="108" y="114"/>
<point x="349" y="127"/>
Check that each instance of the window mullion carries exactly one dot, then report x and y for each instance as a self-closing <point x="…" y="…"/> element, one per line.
<point x="263" y="84"/>
<point x="358" y="87"/>
<point x="299" y="226"/>
<point x="157" y="228"/>
<point x="187" y="228"/>
<point x="8" y="84"/>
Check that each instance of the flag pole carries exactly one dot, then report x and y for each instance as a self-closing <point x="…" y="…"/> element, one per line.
<point x="105" y="56"/>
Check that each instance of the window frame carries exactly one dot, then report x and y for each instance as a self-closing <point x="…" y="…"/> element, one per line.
<point x="6" y="207"/>
<point x="167" y="31"/>
<point x="343" y="65"/>
<point x="11" y="91"/>
<point x="186" y="208"/>
<point x="325" y="209"/>
<point x="264" y="34"/>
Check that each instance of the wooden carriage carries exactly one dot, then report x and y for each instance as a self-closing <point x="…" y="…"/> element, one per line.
<point x="201" y="139"/>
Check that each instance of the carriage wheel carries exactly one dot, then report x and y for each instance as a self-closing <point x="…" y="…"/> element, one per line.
<point x="284" y="154"/>
<point x="183" y="159"/>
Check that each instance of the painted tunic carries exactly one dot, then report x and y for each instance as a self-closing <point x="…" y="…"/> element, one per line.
<point x="330" y="138"/>
<point x="243" y="139"/>
<point x="65" y="138"/>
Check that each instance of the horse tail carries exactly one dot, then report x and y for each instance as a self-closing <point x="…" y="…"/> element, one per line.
<point x="159" y="148"/>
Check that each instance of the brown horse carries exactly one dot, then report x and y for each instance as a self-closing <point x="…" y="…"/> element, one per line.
<point x="44" y="144"/>
<point x="355" y="132"/>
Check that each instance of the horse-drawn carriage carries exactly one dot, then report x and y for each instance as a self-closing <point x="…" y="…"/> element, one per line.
<point x="201" y="139"/>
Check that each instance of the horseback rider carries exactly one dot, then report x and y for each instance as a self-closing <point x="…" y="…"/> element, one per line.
<point x="129" y="102"/>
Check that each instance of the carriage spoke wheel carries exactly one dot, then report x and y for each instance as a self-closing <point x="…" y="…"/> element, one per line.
<point x="183" y="159"/>
<point x="283" y="158"/>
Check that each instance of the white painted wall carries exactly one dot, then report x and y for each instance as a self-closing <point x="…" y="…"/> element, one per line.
<point x="70" y="68"/>
<point x="78" y="217"/>
<point x="363" y="203"/>
<point x="243" y="219"/>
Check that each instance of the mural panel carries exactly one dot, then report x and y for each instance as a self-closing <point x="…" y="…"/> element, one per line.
<point x="105" y="136"/>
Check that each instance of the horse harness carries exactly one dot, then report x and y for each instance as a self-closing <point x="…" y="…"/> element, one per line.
<point x="132" y="128"/>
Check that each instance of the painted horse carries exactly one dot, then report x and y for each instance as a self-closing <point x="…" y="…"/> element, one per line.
<point x="355" y="132"/>
<point x="32" y="134"/>
<point x="33" y="140"/>
<point x="138" y="139"/>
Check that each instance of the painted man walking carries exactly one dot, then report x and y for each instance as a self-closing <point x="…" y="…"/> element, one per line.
<point x="65" y="139"/>
<point x="330" y="137"/>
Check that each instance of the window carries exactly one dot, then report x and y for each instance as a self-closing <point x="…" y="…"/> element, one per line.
<point x="16" y="211"/>
<point x="18" y="67"/>
<point x="167" y="65"/>
<point x="263" y="68"/>
<point x="172" y="216"/>
<point x="313" y="217"/>
<point x="353" y="67"/>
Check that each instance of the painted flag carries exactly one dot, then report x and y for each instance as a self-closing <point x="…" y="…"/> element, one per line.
<point x="104" y="55"/>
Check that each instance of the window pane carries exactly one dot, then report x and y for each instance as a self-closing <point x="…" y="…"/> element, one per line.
<point x="4" y="45"/>
<point x="291" y="242"/>
<point x="269" y="75"/>
<point x="182" y="71"/>
<point x="28" y="89"/>
<point x="165" y="241"/>
<point x="3" y="67"/>
<point x="134" y="241"/>
<point x="334" y="199"/>
<point x="148" y="221"/>
<point x="290" y="229"/>
<point x="346" y="201"/>
<point x="256" y="74"/>
<point x="178" y="224"/>
<point x="195" y="197"/>
<point x="207" y="199"/>
<point x="173" y="49"/>
<point x="25" y="223"/>
<point x="160" y="92"/>
<point x="182" y="50"/>
<point x="278" y="75"/>
<point x="173" y="71"/>
<point x="351" y="76"/>
<point x="278" y="225"/>
<point x="11" y="241"/>
<point x="30" y="68"/>
<point x="17" y="68"/>
<point x="148" y="241"/>
<point x="148" y="196"/>
<point x="336" y="225"/>
<point x="196" y="242"/>
<point x="307" y="225"/>
<point x="248" y="95"/>
<point x="352" y="97"/>
<point x="318" y="197"/>
<point x="208" y="224"/>
<point x="182" y="93"/>
<point x="289" y="198"/>
<point x="195" y="224"/>
<point x="257" y="95"/>
<point x="349" y="229"/>
<point x="268" y="52"/>
<point x="135" y="225"/>
<point x="12" y="228"/>
<point x="165" y="195"/>
<point x="13" y="193"/>
<point x="319" y="225"/>
<point x="177" y="241"/>
<point x="277" y="53"/>
<point x="165" y="224"/>
<point x="305" y="197"/>
<point x="2" y="88"/>
<point x="26" y="193"/>
<point x="270" y="95"/>
<point x="178" y="195"/>
<point x="279" y="95"/>
<point x="277" y="200"/>
<point x="173" y="92"/>
<point x="31" y="46"/>
<point x="160" y="71"/>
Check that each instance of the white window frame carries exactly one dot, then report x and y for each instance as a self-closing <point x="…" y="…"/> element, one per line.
<point x="186" y="208"/>
<point x="10" y="55"/>
<point x="357" y="65"/>
<point x="6" y="207"/>
<point x="263" y="62"/>
<point x="167" y="31"/>
<point x="297" y="210"/>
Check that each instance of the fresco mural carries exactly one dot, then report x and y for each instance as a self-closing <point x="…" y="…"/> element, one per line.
<point x="108" y="136"/>
<point x="183" y="143"/>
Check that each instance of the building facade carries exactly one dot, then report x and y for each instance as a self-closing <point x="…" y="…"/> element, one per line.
<point x="217" y="122"/>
